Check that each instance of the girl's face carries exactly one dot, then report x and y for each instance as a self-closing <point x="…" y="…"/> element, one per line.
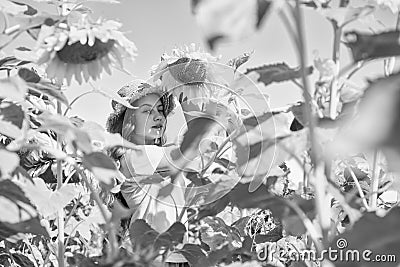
<point x="148" y="119"/>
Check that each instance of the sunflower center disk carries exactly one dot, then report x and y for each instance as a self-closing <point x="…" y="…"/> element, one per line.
<point x="189" y="71"/>
<point x="78" y="53"/>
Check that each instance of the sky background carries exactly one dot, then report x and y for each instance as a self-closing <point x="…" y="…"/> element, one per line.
<point x="158" y="26"/>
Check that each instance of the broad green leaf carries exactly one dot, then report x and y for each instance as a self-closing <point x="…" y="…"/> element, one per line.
<point x="193" y="253"/>
<point x="41" y="86"/>
<point x="47" y="201"/>
<point x="63" y="126"/>
<point x="215" y="257"/>
<point x="370" y="46"/>
<point x="216" y="234"/>
<point x="221" y="185"/>
<point x="344" y="15"/>
<point x="33" y="226"/>
<point x="236" y="62"/>
<point x="102" y="166"/>
<point x="142" y="234"/>
<point x="13" y="192"/>
<point x="28" y="75"/>
<point x="198" y="127"/>
<point x="13" y="88"/>
<point x="15" y="206"/>
<point x="377" y="124"/>
<point x="101" y="139"/>
<point x="213" y="208"/>
<point x="12" y="113"/>
<point x="383" y="238"/>
<point x="8" y="60"/>
<point x="48" y="89"/>
<point x="8" y="162"/>
<point x="257" y="148"/>
<point x="279" y="72"/>
<point x="88" y="223"/>
<point x="12" y="8"/>
<point x="174" y="235"/>
<point x="230" y="20"/>
<point x="22" y="260"/>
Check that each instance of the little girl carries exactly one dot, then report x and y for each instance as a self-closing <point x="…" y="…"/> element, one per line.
<point x="145" y="126"/>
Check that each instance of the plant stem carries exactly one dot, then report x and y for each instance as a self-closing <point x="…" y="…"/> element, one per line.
<point x="307" y="224"/>
<point x="373" y="197"/>
<point x="76" y="99"/>
<point x="357" y="183"/>
<point x="113" y="249"/>
<point x="319" y="180"/>
<point x="60" y="213"/>
<point x="337" y="33"/>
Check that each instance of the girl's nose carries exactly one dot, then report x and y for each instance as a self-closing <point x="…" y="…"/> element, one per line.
<point x="158" y="116"/>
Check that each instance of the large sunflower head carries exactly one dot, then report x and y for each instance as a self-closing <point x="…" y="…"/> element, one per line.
<point x="82" y="48"/>
<point x="189" y="73"/>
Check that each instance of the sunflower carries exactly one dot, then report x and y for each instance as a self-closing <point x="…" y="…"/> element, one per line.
<point x="82" y="48"/>
<point x="189" y="73"/>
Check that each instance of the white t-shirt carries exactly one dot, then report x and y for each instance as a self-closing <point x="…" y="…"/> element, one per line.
<point x="141" y="195"/>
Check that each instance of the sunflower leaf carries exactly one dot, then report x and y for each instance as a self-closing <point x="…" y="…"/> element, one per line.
<point x="8" y="162"/>
<point x="193" y="253"/>
<point x="383" y="240"/>
<point x="230" y="20"/>
<point x="28" y="75"/>
<point x="11" y="120"/>
<point x="378" y="121"/>
<point x="47" y="201"/>
<point x="30" y="10"/>
<point x="12" y="8"/>
<point x="50" y="90"/>
<point x="214" y="232"/>
<point x="141" y="233"/>
<point x="279" y="72"/>
<point x="102" y="166"/>
<point x="20" y="216"/>
<point x="13" y="88"/>
<point x="372" y="46"/>
<point x="62" y="125"/>
<point x="240" y="60"/>
<point x="11" y="231"/>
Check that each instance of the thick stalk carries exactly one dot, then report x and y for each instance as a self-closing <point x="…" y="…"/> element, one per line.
<point x="373" y="197"/>
<point x="318" y="176"/>
<point x="60" y="213"/>
<point x="337" y="32"/>
<point x="113" y="243"/>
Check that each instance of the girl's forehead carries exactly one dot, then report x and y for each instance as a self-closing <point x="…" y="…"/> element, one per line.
<point x="150" y="99"/>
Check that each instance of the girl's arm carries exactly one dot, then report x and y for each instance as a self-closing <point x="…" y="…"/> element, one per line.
<point x="147" y="159"/>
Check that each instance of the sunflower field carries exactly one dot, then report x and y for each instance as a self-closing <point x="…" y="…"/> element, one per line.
<point x="313" y="183"/>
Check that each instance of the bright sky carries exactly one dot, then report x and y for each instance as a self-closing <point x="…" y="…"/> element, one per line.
<point x="157" y="26"/>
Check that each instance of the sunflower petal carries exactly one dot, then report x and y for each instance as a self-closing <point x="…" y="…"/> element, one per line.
<point x="93" y="69"/>
<point x="91" y="38"/>
<point x="85" y="72"/>
<point x="61" y="70"/>
<point x="78" y="71"/>
<point x="52" y="67"/>
<point x="62" y="40"/>
<point x="69" y="73"/>
<point x="117" y="56"/>
<point x="106" y="62"/>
